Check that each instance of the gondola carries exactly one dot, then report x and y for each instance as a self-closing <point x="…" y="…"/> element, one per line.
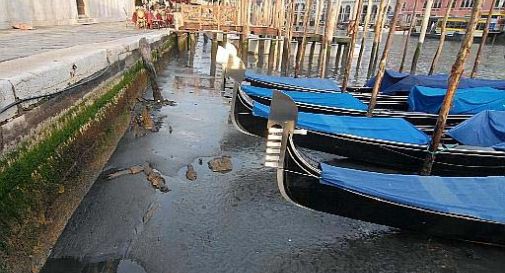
<point x="394" y="85"/>
<point x="462" y="160"/>
<point x="317" y="85"/>
<point x="354" y="107"/>
<point x="464" y="208"/>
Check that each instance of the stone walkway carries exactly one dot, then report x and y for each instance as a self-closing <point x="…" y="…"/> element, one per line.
<point x="18" y="43"/>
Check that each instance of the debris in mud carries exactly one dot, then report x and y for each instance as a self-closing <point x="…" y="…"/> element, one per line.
<point x="191" y="174"/>
<point x="118" y="173"/>
<point x="136" y="169"/>
<point x="156" y="180"/>
<point x="150" y="212"/>
<point x="221" y="164"/>
<point x="153" y="176"/>
<point x="142" y="121"/>
<point x="147" y="120"/>
<point x="157" y="103"/>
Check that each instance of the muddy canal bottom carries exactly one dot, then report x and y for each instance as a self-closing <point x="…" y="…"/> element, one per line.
<point x="231" y="220"/>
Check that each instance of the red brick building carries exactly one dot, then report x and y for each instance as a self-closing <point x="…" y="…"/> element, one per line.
<point x="460" y="8"/>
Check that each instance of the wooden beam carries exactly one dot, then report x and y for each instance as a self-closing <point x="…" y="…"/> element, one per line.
<point x="383" y="62"/>
<point x="443" y="33"/>
<point x="456" y="73"/>
<point x="422" y="35"/>
<point x="483" y="41"/>
<point x="409" y="33"/>
<point x="354" y="33"/>
<point x="376" y="39"/>
<point x="303" y="45"/>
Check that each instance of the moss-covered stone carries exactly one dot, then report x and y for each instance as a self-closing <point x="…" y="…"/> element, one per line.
<point x="36" y="175"/>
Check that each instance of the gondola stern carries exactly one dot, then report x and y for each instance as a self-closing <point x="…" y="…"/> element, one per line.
<point x="281" y="126"/>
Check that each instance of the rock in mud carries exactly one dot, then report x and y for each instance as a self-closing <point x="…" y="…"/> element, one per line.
<point x="191" y="174"/>
<point x="155" y="178"/>
<point x="157" y="181"/>
<point x="221" y="164"/>
<point x="147" y="121"/>
<point x="136" y="169"/>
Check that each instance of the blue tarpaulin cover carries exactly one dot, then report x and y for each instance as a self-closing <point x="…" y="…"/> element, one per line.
<point x="315" y="84"/>
<point x="337" y="100"/>
<point x="405" y="84"/>
<point x="390" y="77"/>
<point x="486" y="129"/>
<point x="466" y="101"/>
<point x="389" y="129"/>
<point x="477" y="197"/>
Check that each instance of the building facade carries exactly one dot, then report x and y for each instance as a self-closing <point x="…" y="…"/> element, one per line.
<point x="345" y="14"/>
<point x="63" y="12"/>
<point x="460" y="8"/>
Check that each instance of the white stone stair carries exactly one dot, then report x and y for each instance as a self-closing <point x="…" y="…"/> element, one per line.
<point x="85" y="20"/>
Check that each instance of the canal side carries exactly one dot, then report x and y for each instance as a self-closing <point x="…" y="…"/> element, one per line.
<point x="63" y="112"/>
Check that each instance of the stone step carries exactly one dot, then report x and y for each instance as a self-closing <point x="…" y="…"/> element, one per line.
<point x="86" y="21"/>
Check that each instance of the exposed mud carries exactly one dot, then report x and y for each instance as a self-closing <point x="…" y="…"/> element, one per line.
<point x="227" y="222"/>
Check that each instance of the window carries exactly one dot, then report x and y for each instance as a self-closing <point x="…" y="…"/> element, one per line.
<point x="347" y="13"/>
<point x="453" y="3"/>
<point x="497" y="4"/>
<point x="467" y="3"/>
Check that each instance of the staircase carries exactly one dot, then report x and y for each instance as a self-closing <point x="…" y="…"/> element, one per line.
<point x="85" y="20"/>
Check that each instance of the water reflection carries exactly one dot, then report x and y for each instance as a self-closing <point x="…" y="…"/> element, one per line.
<point x="492" y="61"/>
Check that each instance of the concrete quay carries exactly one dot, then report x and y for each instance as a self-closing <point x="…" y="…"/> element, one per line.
<point x="45" y="61"/>
<point x="70" y="107"/>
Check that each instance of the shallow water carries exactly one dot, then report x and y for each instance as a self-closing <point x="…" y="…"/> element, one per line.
<point x="491" y="66"/>
<point x="233" y="222"/>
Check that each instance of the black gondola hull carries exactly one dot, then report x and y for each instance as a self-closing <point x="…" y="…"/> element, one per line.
<point x="307" y="191"/>
<point x="400" y="156"/>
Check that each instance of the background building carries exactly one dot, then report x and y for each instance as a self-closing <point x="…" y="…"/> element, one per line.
<point x="460" y="8"/>
<point x="63" y="12"/>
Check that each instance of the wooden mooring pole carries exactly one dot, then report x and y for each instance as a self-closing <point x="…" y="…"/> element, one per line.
<point x="317" y="21"/>
<point x="303" y="45"/>
<point x="383" y="24"/>
<point x="456" y="73"/>
<point x="363" y="38"/>
<point x="412" y="24"/>
<point x="422" y="35"/>
<point x="288" y="35"/>
<point x="312" y="51"/>
<point x="376" y="39"/>
<point x="384" y="59"/>
<point x="352" y="44"/>
<point x="485" y="33"/>
<point x="442" y="39"/>
<point x="146" y="54"/>
<point x="328" y="36"/>
<point x="271" y="55"/>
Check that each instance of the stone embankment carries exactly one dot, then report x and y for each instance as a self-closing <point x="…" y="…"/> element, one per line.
<point x="62" y="114"/>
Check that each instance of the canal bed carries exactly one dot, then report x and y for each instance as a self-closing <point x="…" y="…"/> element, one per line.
<point x="227" y="222"/>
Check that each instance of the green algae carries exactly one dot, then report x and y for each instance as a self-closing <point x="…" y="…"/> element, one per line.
<point x="34" y="171"/>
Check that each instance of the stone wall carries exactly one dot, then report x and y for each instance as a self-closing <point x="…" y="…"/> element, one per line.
<point x="53" y="151"/>
<point x="61" y="12"/>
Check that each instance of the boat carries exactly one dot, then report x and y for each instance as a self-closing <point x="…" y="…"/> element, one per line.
<point x="463" y="208"/>
<point x="348" y="104"/>
<point x="395" y="86"/>
<point x="399" y="144"/>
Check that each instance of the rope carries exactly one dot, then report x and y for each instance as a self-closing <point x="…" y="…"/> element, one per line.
<point x="79" y="83"/>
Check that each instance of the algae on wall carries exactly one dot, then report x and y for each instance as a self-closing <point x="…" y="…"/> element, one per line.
<point x="36" y="177"/>
<point x="33" y="175"/>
